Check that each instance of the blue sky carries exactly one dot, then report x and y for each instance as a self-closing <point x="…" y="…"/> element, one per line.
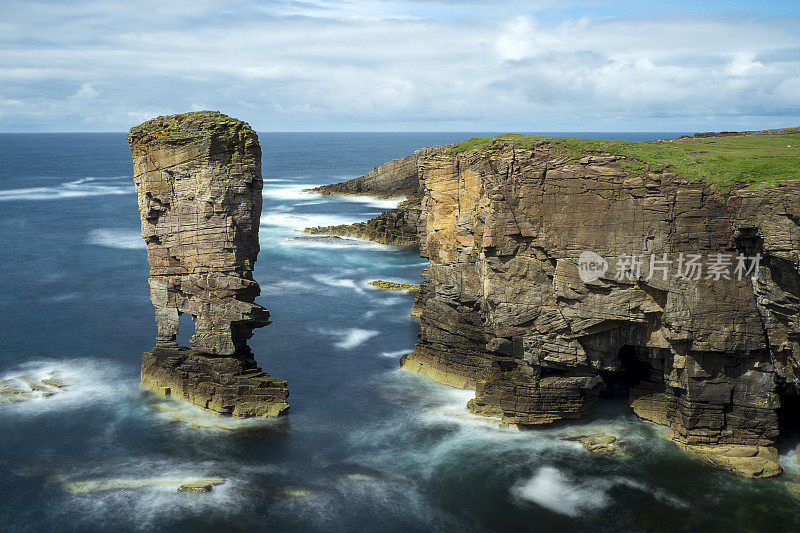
<point x="402" y="65"/>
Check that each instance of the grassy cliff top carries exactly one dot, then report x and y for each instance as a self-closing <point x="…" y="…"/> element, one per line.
<point x="186" y="127"/>
<point x="750" y="159"/>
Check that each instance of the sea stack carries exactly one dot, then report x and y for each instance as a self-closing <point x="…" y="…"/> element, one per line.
<point x="198" y="178"/>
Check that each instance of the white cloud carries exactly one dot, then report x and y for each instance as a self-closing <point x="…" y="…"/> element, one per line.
<point x="373" y="65"/>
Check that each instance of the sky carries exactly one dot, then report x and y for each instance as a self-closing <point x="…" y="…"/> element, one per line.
<point x="402" y="65"/>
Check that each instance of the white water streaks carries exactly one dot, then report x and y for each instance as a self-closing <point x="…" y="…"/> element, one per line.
<point x="333" y="281"/>
<point x="350" y="338"/>
<point x="72" y="189"/>
<point x="555" y="490"/>
<point x="296" y="221"/>
<point x="380" y="203"/>
<point x="284" y="192"/>
<point x="123" y="239"/>
<point x="333" y="242"/>
<point x="396" y="354"/>
<point x="289" y="192"/>
<point x="84" y="381"/>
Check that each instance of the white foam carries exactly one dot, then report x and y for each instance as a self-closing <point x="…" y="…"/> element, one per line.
<point x="73" y="189"/>
<point x="353" y="337"/>
<point x="380" y="203"/>
<point x="332" y="281"/>
<point x="87" y="381"/>
<point x="287" y="286"/>
<point x="291" y="192"/>
<point x="396" y="354"/>
<point x="116" y="238"/>
<point x="342" y="243"/>
<point x="300" y="222"/>
<point x="556" y="491"/>
<point x="148" y="507"/>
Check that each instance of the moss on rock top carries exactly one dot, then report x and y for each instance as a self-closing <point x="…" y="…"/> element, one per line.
<point x="750" y="159"/>
<point x="185" y="127"/>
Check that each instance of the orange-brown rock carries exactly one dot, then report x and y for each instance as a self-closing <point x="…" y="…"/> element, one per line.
<point x="198" y="177"/>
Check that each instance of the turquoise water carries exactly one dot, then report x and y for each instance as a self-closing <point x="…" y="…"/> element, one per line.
<point x="366" y="447"/>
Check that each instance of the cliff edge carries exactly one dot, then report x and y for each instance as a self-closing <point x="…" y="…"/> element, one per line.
<point x="198" y="179"/>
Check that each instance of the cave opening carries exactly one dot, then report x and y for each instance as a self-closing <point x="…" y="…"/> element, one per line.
<point x="632" y="367"/>
<point x="185" y="329"/>
<point x="789" y="413"/>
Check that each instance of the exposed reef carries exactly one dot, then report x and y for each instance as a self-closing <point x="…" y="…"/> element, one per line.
<point x="504" y="308"/>
<point x="27" y="387"/>
<point x="398" y="227"/>
<point x="394" y="286"/>
<point x="198" y="178"/>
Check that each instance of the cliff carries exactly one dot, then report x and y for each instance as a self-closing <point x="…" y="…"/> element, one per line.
<point x="563" y="270"/>
<point x="198" y="179"/>
<point x="394" y="179"/>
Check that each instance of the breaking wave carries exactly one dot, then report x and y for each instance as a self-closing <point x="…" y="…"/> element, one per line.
<point x="350" y="338"/>
<point x="73" y="189"/>
<point x="116" y="238"/>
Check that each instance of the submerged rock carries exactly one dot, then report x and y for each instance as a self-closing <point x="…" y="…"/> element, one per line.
<point x="85" y="486"/>
<point x="11" y="392"/>
<point x="54" y="380"/>
<point x="27" y="387"/>
<point x="794" y="488"/>
<point x="598" y="443"/>
<point x="296" y="493"/>
<point x="198" y="179"/>
<point x="394" y="286"/>
<point x="746" y="461"/>
<point x="34" y="384"/>
<point x="203" y="485"/>
<point x="325" y="238"/>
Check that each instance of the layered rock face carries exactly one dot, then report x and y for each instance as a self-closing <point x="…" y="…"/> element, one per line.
<point x="396" y="178"/>
<point x="198" y="178"/>
<point x="398" y="227"/>
<point x="504" y="308"/>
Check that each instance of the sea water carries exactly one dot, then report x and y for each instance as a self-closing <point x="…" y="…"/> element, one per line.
<point x="366" y="446"/>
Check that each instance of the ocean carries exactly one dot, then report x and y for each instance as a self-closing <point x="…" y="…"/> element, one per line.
<point x="366" y="446"/>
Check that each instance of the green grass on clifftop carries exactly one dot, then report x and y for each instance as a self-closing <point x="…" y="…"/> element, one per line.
<point x="754" y="160"/>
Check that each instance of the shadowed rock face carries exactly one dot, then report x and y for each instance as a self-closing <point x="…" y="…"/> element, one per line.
<point x="198" y="178"/>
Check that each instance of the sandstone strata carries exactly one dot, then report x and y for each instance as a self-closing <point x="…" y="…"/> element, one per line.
<point x="397" y="227"/>
<point x="198" y="178"/>
<point x="394" y="179"/>
<point x="504" y="310"/>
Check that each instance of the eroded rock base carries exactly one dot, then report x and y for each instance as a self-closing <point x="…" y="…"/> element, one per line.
<point x="228" y="386"/>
